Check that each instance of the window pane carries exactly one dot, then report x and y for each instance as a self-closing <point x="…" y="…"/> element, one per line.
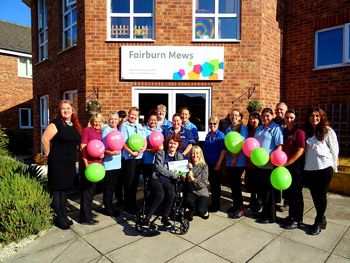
<point x="228" y="6"/>
<point x="120" y="27"/>
<point x="205" y="28"/>
<point x="31" y="117"/>
<point x="330" y="47"/>
<point x="30" y="68"/>
<point x="196" y="103"/>
<point x="66" y="20"/>
<point x="24" y="117"/>
<point x="74" y="13"/>
<point x="143" y="27"/>
<point x="143" y="6"/>
<point x="67" y="40"/>
<point x="120" y="6"/>
<point x="228" y="28"/>
<point x="22" y="66"/>
<point x="75" y="34"/>
<point x="151" y="101"/>
<point x="205" y="6"/>
<point x="42" y="53"/>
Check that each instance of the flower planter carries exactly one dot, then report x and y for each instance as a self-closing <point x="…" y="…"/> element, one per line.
<point x="254" y="109"/>
<point x="95" y="110"/>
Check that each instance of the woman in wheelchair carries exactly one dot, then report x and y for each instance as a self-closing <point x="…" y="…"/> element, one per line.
<point x="162" y="190"/>
<point x="196" y="181"/>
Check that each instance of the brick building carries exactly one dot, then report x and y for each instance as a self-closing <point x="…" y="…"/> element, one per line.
<point x="79" y="48"/>
<point x="16" y="104"/>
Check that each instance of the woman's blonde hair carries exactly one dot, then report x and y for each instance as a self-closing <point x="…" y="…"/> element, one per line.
<point x="214" y="119"/>
<point x="197" y="149"/>
<point x="161" y="106"/>
<point x="112" y="114"/>
<point x="96" y="116"/>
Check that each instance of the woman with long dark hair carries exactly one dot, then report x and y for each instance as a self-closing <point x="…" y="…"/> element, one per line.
<point x="60" y="141"/>
<point x="321" y="155"/>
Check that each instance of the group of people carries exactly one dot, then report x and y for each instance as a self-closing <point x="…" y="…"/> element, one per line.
<point x="312" y="155"/>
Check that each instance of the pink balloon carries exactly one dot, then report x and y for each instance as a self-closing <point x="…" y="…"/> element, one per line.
<point x="249" y="145"/>
<point x="278" y="158"/>
<point x="95" y="148"/>
<point x="156" y="139"/>
<point x="115" y="140"/>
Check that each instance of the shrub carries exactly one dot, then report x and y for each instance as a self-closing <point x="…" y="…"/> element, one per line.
<point x="24" y="206"/>
<point x="4" y="140"/>
<point x="20" y="142"/>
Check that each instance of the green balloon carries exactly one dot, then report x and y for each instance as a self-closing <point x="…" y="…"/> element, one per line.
<point x="95" y="172"/>
<point x="233" y="142"/>
<point x="135" y="142"/>
<point x="259" y="157"/>
<point x="281" y="178"/>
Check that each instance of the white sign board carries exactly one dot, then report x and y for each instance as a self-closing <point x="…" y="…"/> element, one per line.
<point x="172" y="63"/>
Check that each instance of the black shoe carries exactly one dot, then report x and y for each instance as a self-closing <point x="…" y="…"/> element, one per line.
<point x="166" y="222"/>
<point x="259" y="215"/>
<point x="69" y="222"/>
<point x="315" y="229"/>
<point x="264" y="221"/>
<point x="62" y="225"/>
<point x="213" y="208"/>
<point x="91" y="223"/>
<point x="323" y="224"/>
<point x="94" y="215"/>
<point x="145" y="223"/>
<point x="292" y="225"/>
<point x="237" y="214"/>
<point x="285" y="221"/>
<point x="232" y="209"/>
<point x="205" y="217"/>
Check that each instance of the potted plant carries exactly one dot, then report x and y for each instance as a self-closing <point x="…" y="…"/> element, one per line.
<point x="254" y="106"/>
<point x="93" y="106"/>
<point x="41" y="162"/>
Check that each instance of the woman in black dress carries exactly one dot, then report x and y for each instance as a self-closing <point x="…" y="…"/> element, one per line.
<point x="60" y="141"/>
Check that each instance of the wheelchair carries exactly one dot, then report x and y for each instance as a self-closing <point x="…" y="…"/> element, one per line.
<point x="180" y="225"/>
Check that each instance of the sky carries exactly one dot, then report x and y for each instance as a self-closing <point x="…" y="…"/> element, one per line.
<point x="15" y="11"/>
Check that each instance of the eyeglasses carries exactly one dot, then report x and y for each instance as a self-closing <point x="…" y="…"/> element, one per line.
<point x="212" y="123"/>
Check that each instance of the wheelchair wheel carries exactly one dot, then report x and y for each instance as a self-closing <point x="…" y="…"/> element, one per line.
<point x="184" y="226"/>
<point x="138" y="226"/>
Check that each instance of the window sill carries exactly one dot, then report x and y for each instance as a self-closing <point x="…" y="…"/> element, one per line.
<point x="45" y="59"/>
<point x="25" y="77"/>
<point x="216" y="40"/>
<point x="68" y="48"/>
<point x="26" y="128"/>
<point x="331" y="66"/>
<point x="129" y="40"/>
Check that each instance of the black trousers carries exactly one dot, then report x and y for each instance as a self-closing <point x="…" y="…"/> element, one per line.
<point x="295" y="192"/>
<point x="119" y="186"/>
<point x="110" y="182"/>
<point x="147" y="170"/>
<point x="215" y="185"/>
<point x="131" y="169"/>
<point x="162" y="191"/>
<point x="267" y="194"/>
<point x="87" y="193"/>
<point x="318" y="182"/>
<point x="199" y="204"/>
<point x="59" y="203"/>
<point x="234" y="175"/>
<point x="251" y="180"/>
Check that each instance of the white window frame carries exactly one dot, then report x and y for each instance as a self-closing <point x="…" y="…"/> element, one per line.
<point x="70" y="2"/>
<point x="172" y="91"/>
<point x="130" y="15"/>
<point x="346" y="60"/>
<point x="44" y="113"/>
<point x="216" y="16"/>
<point x="29" y="72"/>
<point x="66" y="93"/>
<point x="42" y="15"/>
<point x="73" y="7"/>
<point x="29" y="112"/>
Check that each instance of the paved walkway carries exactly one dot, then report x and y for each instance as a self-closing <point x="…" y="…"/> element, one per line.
<point x="218" y="239"/>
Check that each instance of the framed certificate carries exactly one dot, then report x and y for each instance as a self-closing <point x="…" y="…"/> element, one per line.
<point x="180" y="167"/>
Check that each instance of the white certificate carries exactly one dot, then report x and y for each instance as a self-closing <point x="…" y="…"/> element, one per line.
<point x="179" y="167"/>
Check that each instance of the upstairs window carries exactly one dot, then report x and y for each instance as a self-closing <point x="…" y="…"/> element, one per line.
<point x="42" y="29"/>
<point x="131" y="20"/>
<point x="332" y="47"/>
<point x="25" y="67"/>
<point x="25" y="118"/>
<point x="70" y="33"/>
<point x="216" y="20"/>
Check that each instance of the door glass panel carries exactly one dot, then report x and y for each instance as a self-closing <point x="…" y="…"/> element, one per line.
<point x="196" y="103"/>
<point x="151" y="101"/>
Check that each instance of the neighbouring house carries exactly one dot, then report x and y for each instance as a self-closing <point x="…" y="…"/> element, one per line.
<point x="211" y="55"/>
<point x="16" y="88"/>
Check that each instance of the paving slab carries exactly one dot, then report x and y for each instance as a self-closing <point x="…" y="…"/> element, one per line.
<point x="160" y="248"/>
<point x="238" y="243"/>
<point x="326" y="240"/>
<point x="338" y="199"/>
<point x="289" y="251"/>
<point x="197" y="254"/>
<point x="273" y="228"/>
<point x="343" y="247"/>
<point x="335" y="213"/>
<point x="337" y="259"/>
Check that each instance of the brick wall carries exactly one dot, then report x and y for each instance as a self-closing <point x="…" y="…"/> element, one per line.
<point x="15" y="92"/>
<point x="302" y="85"/>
